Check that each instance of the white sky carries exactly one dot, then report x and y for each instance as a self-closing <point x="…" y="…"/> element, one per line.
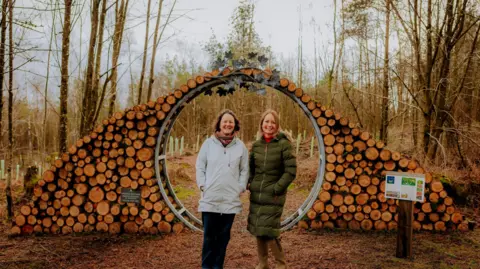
<point x="276" y="21"/>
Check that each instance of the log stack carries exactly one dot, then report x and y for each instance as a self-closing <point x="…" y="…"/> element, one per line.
<point x="353" y="191"/>
<point x="81" y="191"/>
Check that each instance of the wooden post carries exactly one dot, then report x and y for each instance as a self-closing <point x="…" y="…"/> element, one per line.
<point x="299" y="137"/>
<point x="311" y="146"/>
<point x="177" y="147"/>
<point x="181" y="145"/>
<point x="2" y="169"/>
<point x="197" y="144"/>
<point x="171" y="145"/>
<point x="405" y="229"/>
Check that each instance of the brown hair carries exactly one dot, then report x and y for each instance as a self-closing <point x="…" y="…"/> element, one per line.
<point x="216" y="125"/>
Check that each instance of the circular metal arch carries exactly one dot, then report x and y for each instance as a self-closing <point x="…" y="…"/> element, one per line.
<point x="163" y="180"/>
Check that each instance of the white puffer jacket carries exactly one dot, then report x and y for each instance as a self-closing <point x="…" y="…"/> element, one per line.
<point x="223" y="174"/>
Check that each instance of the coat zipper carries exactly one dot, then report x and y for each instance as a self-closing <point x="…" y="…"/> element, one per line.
<point x="263" y="179"/>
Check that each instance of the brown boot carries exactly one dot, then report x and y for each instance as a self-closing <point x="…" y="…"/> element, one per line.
<point x="262" y="251"/>
<point x="278" y="253"/>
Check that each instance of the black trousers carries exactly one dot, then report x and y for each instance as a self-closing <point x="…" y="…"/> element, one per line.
<point x="216" y="235"/>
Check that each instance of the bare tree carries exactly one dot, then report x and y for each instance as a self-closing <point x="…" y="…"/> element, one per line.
<point x="453" y="22"/>
<point x="144" y="61"/>
<point x="385" y="92"/>
<point x="52" y="34"/>
<point x="3" y="29"/>
<point x="10" y="111"/>
<point x="156" y="41"/>
<point x="90" y="94"/>
<point x="98" y="60"/>
<point x="62" y="132"/>
<point x="120" y="16"/>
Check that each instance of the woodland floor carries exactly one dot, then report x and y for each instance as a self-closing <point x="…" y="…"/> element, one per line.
<point x="324" y="249"/>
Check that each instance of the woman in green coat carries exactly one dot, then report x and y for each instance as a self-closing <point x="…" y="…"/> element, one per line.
<point x="272" y="169"/>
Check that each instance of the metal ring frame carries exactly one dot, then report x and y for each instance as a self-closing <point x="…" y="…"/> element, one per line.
<point x="161" y="151"/>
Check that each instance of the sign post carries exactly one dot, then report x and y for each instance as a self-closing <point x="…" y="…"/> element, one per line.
<point x="406" y="187"/>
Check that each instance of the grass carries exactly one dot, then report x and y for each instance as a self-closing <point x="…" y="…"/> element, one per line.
<point x="183" y="193"/>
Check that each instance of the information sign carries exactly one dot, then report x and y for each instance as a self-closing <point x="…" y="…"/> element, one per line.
<point x="405" y="186"/>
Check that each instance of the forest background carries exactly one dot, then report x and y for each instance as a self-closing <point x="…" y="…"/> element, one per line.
<point x="404" y="70"/>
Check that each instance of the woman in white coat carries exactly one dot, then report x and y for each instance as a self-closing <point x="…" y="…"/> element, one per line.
<point x="222" y="174"/>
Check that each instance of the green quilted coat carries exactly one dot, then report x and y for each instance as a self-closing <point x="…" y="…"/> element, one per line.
<point x="272" y="168"/>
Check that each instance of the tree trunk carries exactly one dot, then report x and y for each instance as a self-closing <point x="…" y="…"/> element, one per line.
<point x="45" y="112"/>
<point x="3" y="29"/>
<point x="384" y="125"/>
<point x="117" y="43"/>
<point x="62" y="132"/>
<point x="8" y="190"/>
<point x="89" y="93"/>
<point x="98" y="60"/>
<point x="332" y="68"/>
<point x="144" y="62"/>
<point x="154" y="48"/>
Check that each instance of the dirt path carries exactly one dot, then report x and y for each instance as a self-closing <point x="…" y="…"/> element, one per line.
<point x="303" y="251"/>
<point x="181" y="172"/>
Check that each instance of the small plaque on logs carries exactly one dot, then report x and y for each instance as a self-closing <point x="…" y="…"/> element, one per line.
<point x="130" y="196"/>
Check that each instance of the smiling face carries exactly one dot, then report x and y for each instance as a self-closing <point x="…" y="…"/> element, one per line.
<point x="269" y="126"/>
<point x="227" y="125"/>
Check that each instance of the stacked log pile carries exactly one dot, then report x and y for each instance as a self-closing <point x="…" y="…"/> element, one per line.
<point x="353" y="191"/>
<point x="81" y="191"/>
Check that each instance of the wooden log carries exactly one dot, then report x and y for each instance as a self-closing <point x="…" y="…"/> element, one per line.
<point x="103" y="208"/>
<point x="166" y="227"/>
<point x="360" y="145"/>
<point x="457" y="218"/>
<point x="362" y="198"/>
<point x="349" y="173"/>
<point x="403" y="162"/>
<point x="311" y="214"/>
<point x="436" y="186"/>
<point x="329" y="208"/>
<point x="48" y="176"/>
<point x="364" y="180"/>
<point x="386" y="216"/>
<point x="337" y="199"/>
<point x="385" y="155"/>
<point x="330" y="176"/>
<point x="366" y="225"/>
<point x="354" y="225"/>
<point x="96" y="194"/>
<point x="389" y="165"/>
<point x="144" y="154"/>
<point x="329" y="140"/>
<point x="328" y="225"/>
<point x="371" y="153"/>
<point x="355" y="189"/>
<point x="372" y="190"/>
<point x="26" y="210"/>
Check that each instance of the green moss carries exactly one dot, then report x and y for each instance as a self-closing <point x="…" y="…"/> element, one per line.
<point x="183" y="192"/>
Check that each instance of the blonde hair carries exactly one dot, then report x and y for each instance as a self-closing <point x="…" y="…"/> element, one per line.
<point x="277" y="122"/>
